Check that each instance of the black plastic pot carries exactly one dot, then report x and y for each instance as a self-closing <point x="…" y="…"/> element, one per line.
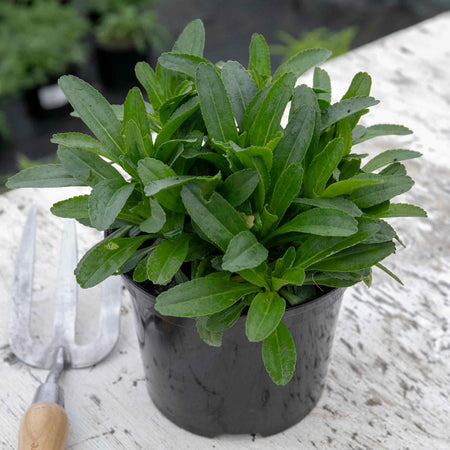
<point x="116" y="66"/>
<point x="46" y="101"/>
<point x="211" y="391"/>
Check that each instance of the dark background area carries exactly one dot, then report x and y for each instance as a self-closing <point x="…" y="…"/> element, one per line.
<point x="229" y="25"/>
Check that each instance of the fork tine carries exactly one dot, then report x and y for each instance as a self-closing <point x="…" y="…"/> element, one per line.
<point x="20" y="314"/>
<point x="109" y="326"/>
<point x="66" y="288"/>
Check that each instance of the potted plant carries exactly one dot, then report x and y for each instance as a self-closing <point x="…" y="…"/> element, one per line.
<point x="124" y="34"/>
<point x="222" y="215"/>
<point x="47" y="42"/>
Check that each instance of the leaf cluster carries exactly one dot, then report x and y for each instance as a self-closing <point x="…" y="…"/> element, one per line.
<point x="130" y="25"/>
<point x="338" y="42"/>
<point x="209" y="194"/>
<point x="127" y="23"/>
<point x="38" y="41"/>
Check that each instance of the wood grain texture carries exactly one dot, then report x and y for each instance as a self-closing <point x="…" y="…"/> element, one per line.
<point x="43" y="427"/>
<point x="387" y="385"/>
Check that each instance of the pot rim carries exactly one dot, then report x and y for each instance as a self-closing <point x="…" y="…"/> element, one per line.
<point x="330" y="296"/>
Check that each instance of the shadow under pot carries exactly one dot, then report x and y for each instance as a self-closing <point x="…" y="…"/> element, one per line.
<point x="116" y="66"/>
<point x="212" y="391"/>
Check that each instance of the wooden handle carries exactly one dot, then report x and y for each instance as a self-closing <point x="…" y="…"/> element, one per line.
<point x="43" y="427"/>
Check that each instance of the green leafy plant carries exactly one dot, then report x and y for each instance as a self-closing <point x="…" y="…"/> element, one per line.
<point x="217" y="201"/>
<point x="108" y="6"/>
<point x="338" y="42"/>
<point x="127" y="24"/>
<point x="38" y="41"/>
<point x="130" y="26"/>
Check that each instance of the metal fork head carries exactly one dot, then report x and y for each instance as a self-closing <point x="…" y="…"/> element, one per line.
<point x="40" y="355"/>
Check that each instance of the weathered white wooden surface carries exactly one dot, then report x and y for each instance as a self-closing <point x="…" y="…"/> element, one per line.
<point x="388" y="383"/>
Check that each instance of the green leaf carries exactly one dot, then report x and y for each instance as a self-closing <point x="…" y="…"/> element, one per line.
<point x="182" y="63"/>
<point x="211" y="336"/>
<point x="401" y="210"/>
<point x="211" y="327"/>
<point x="322" y="81"/>
<point x="315" y="248"/>
<point x="358" y="257"/>
<point x="259" y="61"/>
<point x="140" y="271"/>
<point x="154" y="187"/>
<point x="227" y="318"/>
<point x="300" y="295"/>
<point x="293" y="276"/>
<point x="216" y="218"/>
<point x="192" y="39"/>
<point x="74" y="208"/>
<point x="391" y="274"/>
<point x="166" y="259"/>
<point x="95" y="112"/>
<point x="337" y="279"/>
<point x="303" y="96"/>
<point x="381" y="130"/>
<point x="105" y="258"/>
<point x="151" y="169"/>
<point x="287" y="187"/>
<point x="279" y="355"/>
<point x="264" y="315"/>
<point x="107" y="200"/>
<point x="340" y="203"/>
<point x="394" y="169"/>
<point x="240" y="88"/>
<point x="388" y="157"/>
<point x="134" y="109"/>
<point x="79" y="140"/>
<point x="246" y="155"/>
<point x="135" y="147"/>
<point x="320" y="221"/>
<point x="44" y="175"/>
<point x="359" y="87"/>
<point x="146" y="76"/>
<point x="157" y="219"/>
<point x="322" y="167"/>
<point x="86" y="166"/>
<point x="385" y="233"/>
<point x="285" y="262"/>
<point x="244" y="252"/>
<point x="239" y="186"/>
<point x="260" y="276"/>
<point x="389" y="187"/>
<point x="268" y="118"/>
<point x="351" y="184"/>
<point x="201" y="297"/>
<point x="302" y="61"/>
<point x="198" y="248"/>
<point x="217" y="160"/>
<point x="253" y="108"/>
<point x="345" y="108"/>
<point x="215" y="105"/>
<point x="295" y="142"/>
<point x="182" y="113"/>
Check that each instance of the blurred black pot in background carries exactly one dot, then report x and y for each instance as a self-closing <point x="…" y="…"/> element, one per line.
<point x="116" y="65"/>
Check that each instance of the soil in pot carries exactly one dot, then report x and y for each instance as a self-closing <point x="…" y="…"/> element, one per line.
<point x="211" y="391"/>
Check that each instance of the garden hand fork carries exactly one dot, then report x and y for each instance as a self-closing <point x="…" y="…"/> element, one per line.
<point x="44" y="425"/>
